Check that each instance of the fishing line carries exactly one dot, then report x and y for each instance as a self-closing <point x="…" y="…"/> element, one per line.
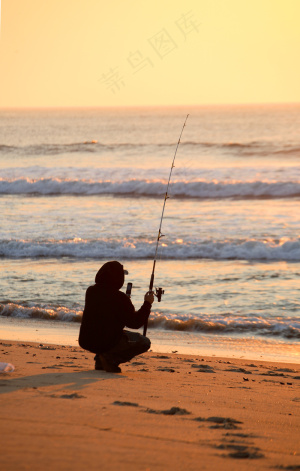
<point x="159" y="291"/>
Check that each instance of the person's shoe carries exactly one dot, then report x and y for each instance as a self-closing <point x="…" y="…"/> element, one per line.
<point x="98" y="363"/>
<point x="108" y="366"/>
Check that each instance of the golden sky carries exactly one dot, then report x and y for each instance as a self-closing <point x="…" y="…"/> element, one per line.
<point x="148" y="52"/>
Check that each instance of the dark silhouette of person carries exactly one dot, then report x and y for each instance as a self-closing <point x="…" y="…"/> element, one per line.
<point x="106" y="312"/>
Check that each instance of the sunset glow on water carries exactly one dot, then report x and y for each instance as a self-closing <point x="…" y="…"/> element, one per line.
<point x="230" y="258"/>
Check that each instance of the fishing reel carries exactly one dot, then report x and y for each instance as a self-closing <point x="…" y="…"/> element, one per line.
<point x="158" y="293"/>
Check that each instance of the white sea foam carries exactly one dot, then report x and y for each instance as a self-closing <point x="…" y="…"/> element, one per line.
<point x="60" y="313"/>
<point x="288" y="327"/>
<point x="116" y="171"/>
<point x="110" y="248"/>
<point x="152" y="188"/>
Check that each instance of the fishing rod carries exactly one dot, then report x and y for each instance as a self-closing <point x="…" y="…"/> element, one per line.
<point x="159" y="291"/>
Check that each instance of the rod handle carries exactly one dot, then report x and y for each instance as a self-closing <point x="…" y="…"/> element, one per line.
<point x="145" y="328"/>
<point x="151" y="282"/>
<point x="150" y="289"/>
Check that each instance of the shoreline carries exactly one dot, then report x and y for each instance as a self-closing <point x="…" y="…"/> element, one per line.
<point x="163" y="341"/>
<point x="162" y="412"/>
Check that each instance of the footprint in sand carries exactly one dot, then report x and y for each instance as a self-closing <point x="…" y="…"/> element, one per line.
<point x="172" y="411"/>
<point x="220" y="422"/>
<point x="169" y="370"/>
<point x="273" y="373"/>
<point x="68" y="396"/>
<point x="241" y="451"/>
<point x="240" y="370"/>
<point x="130" y="404"/>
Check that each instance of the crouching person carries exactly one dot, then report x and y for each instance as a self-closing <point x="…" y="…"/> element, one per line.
<point x="107" y="311"/>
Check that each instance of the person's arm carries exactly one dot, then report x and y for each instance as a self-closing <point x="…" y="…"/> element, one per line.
<point x="136" y="319"/>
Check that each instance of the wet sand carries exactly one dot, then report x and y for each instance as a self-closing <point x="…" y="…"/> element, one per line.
<point x="164" y="411"/>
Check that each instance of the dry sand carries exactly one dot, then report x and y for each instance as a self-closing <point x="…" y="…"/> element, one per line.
<point x="162" y="412"/>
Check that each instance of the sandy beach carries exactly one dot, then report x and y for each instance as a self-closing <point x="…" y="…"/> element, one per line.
<point x="164" y="411"/>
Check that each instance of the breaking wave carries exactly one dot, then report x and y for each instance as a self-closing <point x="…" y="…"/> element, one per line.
<point x="251" y="148"/>
<point x="287" y="328"/>
<point x="135" y="249"/>
<point x="151" y="188"/>
<point x="47" y="312"/>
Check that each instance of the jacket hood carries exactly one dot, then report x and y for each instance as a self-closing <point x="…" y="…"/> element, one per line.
<point x="111" y="274"/>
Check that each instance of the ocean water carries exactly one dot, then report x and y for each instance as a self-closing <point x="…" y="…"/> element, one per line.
<point x="79" y="187"/>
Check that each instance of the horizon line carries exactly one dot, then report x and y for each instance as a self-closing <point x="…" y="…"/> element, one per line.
<point x="281" y="103"/>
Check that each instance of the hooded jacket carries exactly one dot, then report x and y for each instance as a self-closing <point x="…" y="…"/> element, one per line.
<point x="107" y="311"/>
